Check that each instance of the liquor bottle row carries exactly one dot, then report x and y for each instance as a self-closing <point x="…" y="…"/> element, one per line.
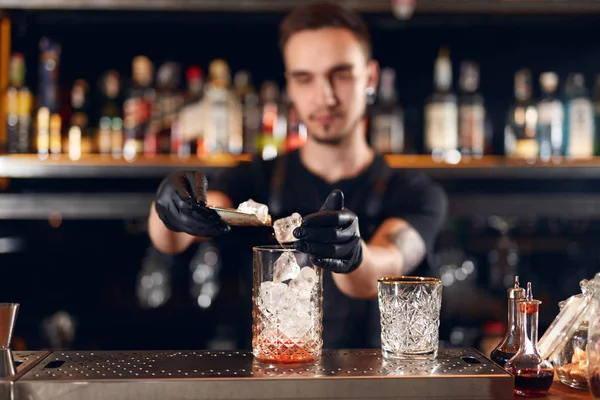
<point x="548" y="129"/>
<point x="151" y="114"/>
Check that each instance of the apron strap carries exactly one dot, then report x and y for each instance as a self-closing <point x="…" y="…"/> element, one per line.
<point x="276" y="185"/>
<point x="374" y="203"/>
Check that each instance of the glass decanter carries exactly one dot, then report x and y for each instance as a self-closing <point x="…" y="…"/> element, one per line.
<point x="533" y="375"/>
<point x="509" y="345"/>
<point x="593" y="347"/>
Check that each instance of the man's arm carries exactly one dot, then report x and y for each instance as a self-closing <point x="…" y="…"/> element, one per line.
<point x="396" y="248"/>
<point x="170" y="242"/>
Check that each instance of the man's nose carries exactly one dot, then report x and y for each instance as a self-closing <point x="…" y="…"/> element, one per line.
<point x="325" y="95"/>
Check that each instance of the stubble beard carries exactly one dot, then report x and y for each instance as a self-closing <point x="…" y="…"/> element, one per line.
<point x="341" y="137"/>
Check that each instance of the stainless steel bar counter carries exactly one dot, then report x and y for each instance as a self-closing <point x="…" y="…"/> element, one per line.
<point x="340" y="374"/>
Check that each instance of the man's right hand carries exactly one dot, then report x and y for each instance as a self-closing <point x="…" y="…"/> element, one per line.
<point x="181" y="205"/>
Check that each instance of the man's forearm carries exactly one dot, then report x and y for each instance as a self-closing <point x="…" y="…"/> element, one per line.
<point x="377" y="261"/>
<point x="165" y="240"/>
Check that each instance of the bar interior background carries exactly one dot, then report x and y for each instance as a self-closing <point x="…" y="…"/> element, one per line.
<point x="74" y="249"/>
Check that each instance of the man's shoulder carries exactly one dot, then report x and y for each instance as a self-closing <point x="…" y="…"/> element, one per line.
<point x="410" y="183"/>
<point x="410" y="178"/>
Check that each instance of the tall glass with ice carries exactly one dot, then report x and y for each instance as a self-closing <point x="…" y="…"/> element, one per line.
<point x="287" y="313"/>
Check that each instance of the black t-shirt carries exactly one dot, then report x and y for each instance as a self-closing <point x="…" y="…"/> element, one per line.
<point x="374" y="195"/>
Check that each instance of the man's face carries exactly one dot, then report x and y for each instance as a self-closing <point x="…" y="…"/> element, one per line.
<point x="328" y="75"/>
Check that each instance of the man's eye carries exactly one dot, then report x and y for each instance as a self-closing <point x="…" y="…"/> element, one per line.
<point x="343" y="75"/>
<point x="303" y="79"/>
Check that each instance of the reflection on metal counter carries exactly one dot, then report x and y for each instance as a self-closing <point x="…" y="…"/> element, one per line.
<point x="349" y="374"/>
<point x="8" y="317"/>
<point x="23" y="361"/>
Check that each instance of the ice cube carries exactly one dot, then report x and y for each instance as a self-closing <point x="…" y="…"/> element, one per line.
<point x="295" y="316"/>
<point x="284" y="228"/>
<point x="252" y="207"/>
<point x="285" y="268"/>
<point x="302" y="285"/>
<point x="270" y="296"/>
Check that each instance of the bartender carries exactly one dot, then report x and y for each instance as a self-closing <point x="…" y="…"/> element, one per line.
<point x="361" y="219"/>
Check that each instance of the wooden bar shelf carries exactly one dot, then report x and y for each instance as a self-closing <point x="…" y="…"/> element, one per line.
<point x="98" y="166"/>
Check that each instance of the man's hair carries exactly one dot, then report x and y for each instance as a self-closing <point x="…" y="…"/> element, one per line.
<point x="324" y="15"/>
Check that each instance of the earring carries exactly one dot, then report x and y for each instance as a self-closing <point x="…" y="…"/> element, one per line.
<point x="370" y="95"/>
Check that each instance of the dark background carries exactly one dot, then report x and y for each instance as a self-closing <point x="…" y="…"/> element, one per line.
<point x="89" y="268"/>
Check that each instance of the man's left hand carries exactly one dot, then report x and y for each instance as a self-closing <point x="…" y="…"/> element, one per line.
<point x="331" y="236"/>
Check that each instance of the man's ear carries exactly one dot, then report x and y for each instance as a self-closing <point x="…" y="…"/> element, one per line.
<point x="372" y="75"/>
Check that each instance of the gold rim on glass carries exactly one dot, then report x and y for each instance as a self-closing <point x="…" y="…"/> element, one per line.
<point x="409" y="280"/>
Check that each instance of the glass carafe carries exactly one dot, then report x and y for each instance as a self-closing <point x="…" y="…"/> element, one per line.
<point x="566" y="340"/>
<point x="533" y="375"/>
<point x="509" y="345"/>
<point x="593" y="348"/>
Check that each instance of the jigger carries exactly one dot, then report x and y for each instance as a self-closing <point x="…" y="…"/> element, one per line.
<point x="8" y="316"/>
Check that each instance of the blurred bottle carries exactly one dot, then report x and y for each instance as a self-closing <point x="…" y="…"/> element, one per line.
<point x="165" y="107"/>
<point x="597" y="115"/>
<point x="520" y="132"/>
<point x="18" y="109"/>
<point x="221" y="113"/>
<point x="250" y="109"/>
<point x="579" y="130"/>
<point x="270" y="142"/>
<point x="441" y="112"/>
<point x="387" y="117"/>
<point x="471" y="112"/>
<point x="48" y="119"/>
<point x="550" y="119"/>
<point x="296" y="130"/>
<point x="79" y="136"/>
<point x="187" y="129"/>
<point x="110" y="124"/>
<point x="137" y="107"/>
<point x="194" y="77"/>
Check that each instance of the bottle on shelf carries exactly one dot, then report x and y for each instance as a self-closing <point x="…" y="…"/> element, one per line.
<point x="520" y="139"/>
<point x="296" y="130"/>
<point x="18" y="103"/>
<point x="251" y="111"/>
<point x="221" y="113"/>
<point x="194" y="77"/>
<point x="471" y="112"/>
<point x="596" y="101"/>
<point x="165" y="107"/>
<point x="387" y="117"/>
<point x="441" y="113"/>
<point x="533" y="375"/>
<point x="270" y="144"/>
<point x="110" y="124"/>
<point x="187" y="130"/>
<point x="48" y="135"/>
<point x="137" y="107"/>
<point x="79" y="137"/>
<point x="509" y="345"/>
<point x="579" y="130"/>
<point x="550" y="119"/>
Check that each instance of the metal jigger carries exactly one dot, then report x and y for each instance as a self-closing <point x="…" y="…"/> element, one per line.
<point x="8" y="316"/>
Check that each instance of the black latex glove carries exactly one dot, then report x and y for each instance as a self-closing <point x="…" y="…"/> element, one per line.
<point x="181" y="205"/>
<point x="331" y="236"/>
